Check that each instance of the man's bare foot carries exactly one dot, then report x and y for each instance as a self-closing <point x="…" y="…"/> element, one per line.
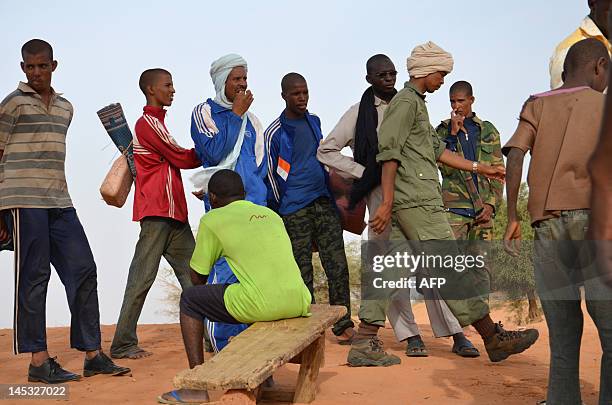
<point x="346" y="338"/>
<point x="133" y="354"/>
<point x="183" y="396"/>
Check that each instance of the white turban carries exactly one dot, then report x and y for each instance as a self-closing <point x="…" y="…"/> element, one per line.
<point x="428" y="58"/>
<point x="219" y="70"/>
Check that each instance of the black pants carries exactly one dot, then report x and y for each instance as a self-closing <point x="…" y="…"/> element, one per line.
<point x="44" y="237"/>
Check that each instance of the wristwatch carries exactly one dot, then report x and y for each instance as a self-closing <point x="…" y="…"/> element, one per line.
<point x="474" y="167"/>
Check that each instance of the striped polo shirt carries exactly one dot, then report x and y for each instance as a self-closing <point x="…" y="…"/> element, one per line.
<point x="33" y="138"/>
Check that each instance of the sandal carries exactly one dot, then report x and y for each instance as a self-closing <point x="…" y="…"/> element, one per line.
<point x="416" y="348"/>
<point x="465" y="348"/>
<point x="176" y="399"/>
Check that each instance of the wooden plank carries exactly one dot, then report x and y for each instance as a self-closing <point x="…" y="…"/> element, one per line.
<point x="277" y="394"/>
<point x="312" y="358"/>
<point x="253" y="355"/>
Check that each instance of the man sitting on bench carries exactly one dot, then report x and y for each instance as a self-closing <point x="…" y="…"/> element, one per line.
<point x="256" y="246"/>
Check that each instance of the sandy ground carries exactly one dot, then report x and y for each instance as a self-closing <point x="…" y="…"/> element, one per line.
<point x="440" y="378"/>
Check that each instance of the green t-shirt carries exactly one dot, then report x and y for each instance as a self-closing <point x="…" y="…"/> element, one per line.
<point x="257" y="248"/>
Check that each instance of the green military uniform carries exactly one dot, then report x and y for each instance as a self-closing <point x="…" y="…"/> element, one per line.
<point x="459" y="191"/>
<point x="407" y="136"/>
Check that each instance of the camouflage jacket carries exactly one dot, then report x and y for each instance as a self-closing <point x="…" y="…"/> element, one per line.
<point x="458" y="190"/>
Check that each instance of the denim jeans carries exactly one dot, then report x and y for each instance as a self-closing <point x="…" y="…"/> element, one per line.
<point x="563" y="263"/>
<point x="158" y="237"/>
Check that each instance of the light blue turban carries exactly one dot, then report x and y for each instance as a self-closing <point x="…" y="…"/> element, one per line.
<point x="219" y="70"/>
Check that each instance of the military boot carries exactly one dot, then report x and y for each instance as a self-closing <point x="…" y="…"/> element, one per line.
<point x="370" y="352"/>
<point x="508" y="342"/>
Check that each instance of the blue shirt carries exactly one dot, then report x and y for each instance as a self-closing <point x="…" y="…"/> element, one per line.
<point x="469" y="144"/>
<point x="306" y="180"/>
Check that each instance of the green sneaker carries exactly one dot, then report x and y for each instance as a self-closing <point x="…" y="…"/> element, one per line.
<point x="370" y="352"/>
<point x="508" y="342"/>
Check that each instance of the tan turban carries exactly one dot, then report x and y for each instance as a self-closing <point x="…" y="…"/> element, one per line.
<point x="428" y="58"/>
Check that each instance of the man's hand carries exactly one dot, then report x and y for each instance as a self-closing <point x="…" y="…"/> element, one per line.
<point x="485" y="215"/>
<point x="242" y="102"/>
<point x="4" y="233"/>
<point x="492" y="172"/>
<point x="198" y="194"/>
<point x="457" y="123"/>
<point x="512" y="237"/>
<point x="197" y="278"/>
<point x="381" y="218"/>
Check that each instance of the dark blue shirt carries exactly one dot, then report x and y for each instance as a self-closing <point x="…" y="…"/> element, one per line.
<point x="306" y="180"/>
<point x="469" y="144"/>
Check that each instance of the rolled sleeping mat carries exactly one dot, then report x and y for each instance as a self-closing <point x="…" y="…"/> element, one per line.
<point x="116" y="125"/>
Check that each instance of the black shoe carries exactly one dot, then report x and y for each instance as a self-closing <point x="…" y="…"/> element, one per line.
<point x="50" y="372"/>
<point x="102" y="364"/>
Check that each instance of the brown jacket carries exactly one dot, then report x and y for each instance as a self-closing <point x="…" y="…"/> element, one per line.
<point x="560" y="128"/>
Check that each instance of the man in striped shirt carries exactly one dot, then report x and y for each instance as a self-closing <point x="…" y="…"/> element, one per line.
<point x="159" y="206"/>
<point x="34" y="120"/>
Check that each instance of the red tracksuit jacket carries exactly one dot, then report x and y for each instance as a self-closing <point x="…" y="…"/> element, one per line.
<point x="159" y="160"/>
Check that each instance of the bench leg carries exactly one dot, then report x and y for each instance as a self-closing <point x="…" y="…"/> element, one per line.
<point x="311" y="361"/>
<point x="238" y="397"/>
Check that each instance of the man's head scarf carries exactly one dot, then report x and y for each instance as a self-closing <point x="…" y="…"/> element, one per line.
<point x="220" y="70"/>
<point x="428" y="58"/>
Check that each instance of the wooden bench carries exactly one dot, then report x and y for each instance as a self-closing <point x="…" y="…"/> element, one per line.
<point x="256" y="353"/>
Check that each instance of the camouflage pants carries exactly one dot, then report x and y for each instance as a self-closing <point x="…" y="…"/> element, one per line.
<point x="465" y="229"/>
<point x="319" y="223"/>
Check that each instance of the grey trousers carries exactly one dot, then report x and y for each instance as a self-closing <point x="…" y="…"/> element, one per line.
<point x="399" y="311"/>
<point x="563" y="263"/>
<point x="158" y="237"/>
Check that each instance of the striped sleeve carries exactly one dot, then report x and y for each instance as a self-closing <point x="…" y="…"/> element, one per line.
<point x="8" y="118"/>
<point x="202" y="120"/>
<point x="214" y="141"/>
<point x="272" y="148"/>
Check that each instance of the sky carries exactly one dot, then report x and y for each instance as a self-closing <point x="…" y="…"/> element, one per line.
<point x="502" y="48"/>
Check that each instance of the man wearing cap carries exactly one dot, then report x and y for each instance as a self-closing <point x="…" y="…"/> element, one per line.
<point x="228" y="136"/>
<point x="409" y="149"/>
